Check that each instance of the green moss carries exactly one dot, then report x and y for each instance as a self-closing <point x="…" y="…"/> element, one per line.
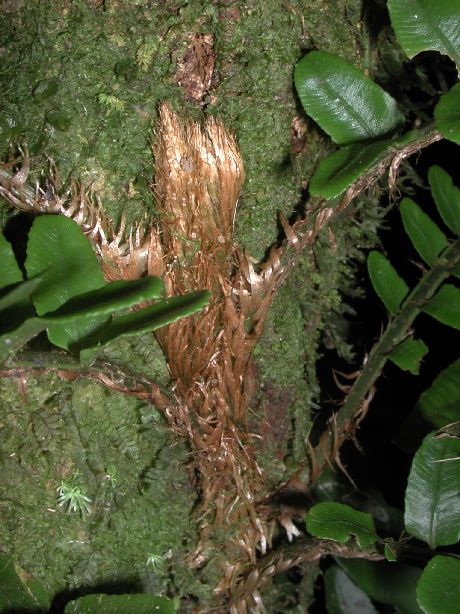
<point x="111" y="441"/>
<point x="336" y="27"/>
<point x="141" y="354"/>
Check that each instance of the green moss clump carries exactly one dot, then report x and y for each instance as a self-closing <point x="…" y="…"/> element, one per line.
<point x="123" y="458"/>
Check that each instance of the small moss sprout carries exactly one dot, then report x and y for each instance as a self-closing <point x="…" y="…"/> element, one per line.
<point x="72" y="497"/>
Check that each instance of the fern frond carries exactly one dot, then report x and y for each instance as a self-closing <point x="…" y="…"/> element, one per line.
<point x="145" y="53"/>
<point x="111" y="102"/>
<point x="48" y="428"/>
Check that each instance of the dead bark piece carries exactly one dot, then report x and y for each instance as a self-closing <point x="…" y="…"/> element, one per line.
<point x="298" y="135"/>
<point x="195" y="70"/>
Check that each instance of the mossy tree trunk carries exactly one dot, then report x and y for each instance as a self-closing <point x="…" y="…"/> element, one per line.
<point x="83" y="82"/>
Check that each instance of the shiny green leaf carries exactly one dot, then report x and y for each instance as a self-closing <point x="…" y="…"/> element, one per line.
<point x="438" y="590"/>
<point x="141" y="603"/>
<point x="15" y="300"/>
<point x="421" y="25"/>
<point x="408" y="355"/>
<point x="146" y="320"/>
<point x="390" y="583"/>
<point x="109" y="299"/>
<point x="343" y="596"/>
<point x="10" y="273"/>
<point x="343" y="101"/>
<point x="332" y="486"/>
<point x="447" y="114"/>
<point x="340" y="522"/>
<point x="18" y="591"/>
<point x="15" y="339"/>
<point x="20" y="292"/>
<point x="58" y="247"/>
<point x="339" y="170"/>
<point x="445" y="306"/>
<point x="390" y="554"/>
<point x="16" y="307"/>
<point x="69" y="333"/>
<point x="426" y="236"/>
<point x="432" y="502"/>
<point x="446" y="196"/>
<point x="389" y="286"/>
<point x="440" y="403"/>
<point x="57" y="242"/>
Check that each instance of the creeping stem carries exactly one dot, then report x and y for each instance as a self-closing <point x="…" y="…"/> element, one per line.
<point x="396" y="331"/>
